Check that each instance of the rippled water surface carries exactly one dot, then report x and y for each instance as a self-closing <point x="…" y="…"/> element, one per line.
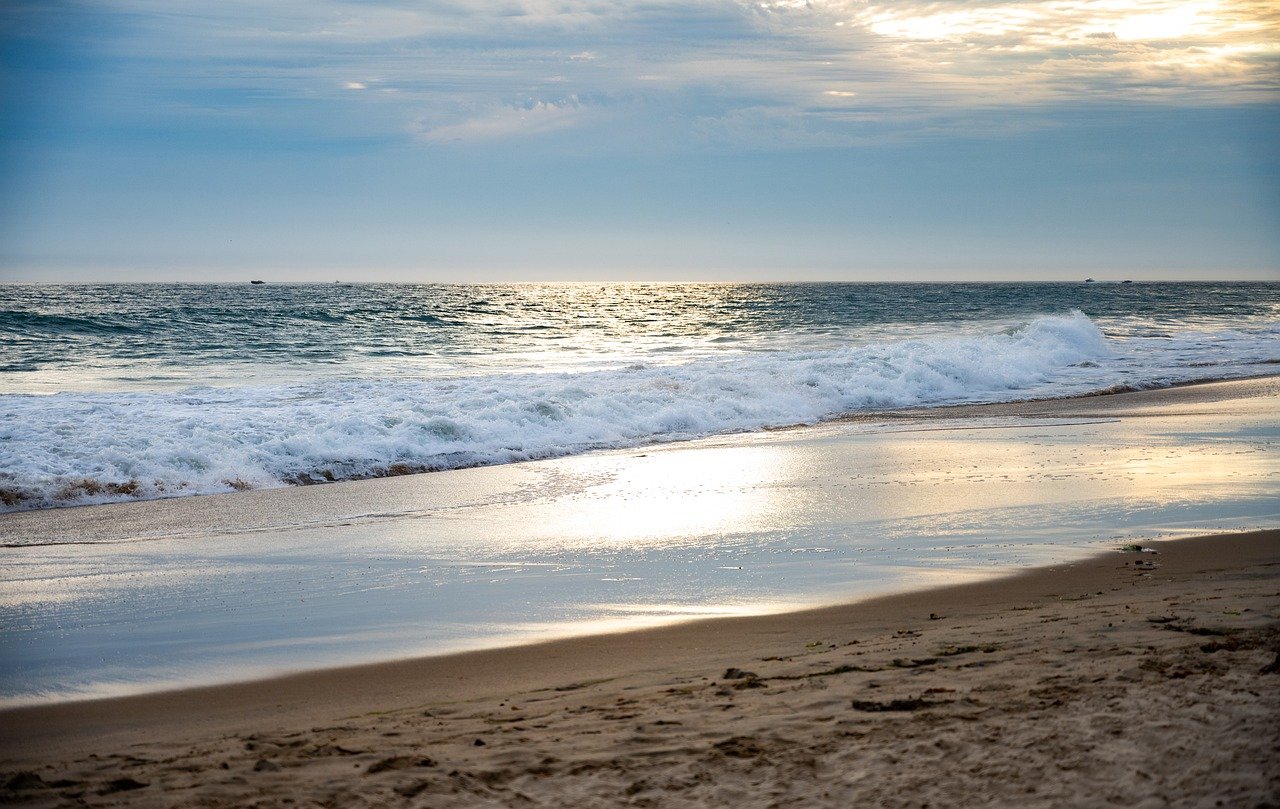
<point x="129" y="336"/>
<point x="117" y="392"/>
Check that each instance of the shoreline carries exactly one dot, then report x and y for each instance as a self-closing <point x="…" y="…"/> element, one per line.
<point x="1195" y="391"/>
<point x="1206" y="390"/>
<point x="665" y="668"/>
<point x="311" y="497"/>
<point x="173" y="594"/>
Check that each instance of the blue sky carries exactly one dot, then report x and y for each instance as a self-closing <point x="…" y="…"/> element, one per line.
<point x="706" y="139"/>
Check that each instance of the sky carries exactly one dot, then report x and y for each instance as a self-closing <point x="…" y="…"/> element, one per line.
<point x="639" y="139"/>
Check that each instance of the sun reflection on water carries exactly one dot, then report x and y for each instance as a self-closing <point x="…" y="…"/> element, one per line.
<point x="669" y="495"/>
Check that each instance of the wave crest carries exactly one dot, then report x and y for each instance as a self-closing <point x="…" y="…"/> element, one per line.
<point x="90" y="448"/>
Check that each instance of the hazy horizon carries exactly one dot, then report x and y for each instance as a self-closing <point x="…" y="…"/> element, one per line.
<point x="241" y="277"/>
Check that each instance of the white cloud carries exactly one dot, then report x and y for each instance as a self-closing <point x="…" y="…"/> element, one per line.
<point x="531" y="120"/>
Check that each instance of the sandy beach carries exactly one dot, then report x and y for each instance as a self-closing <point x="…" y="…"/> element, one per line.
<point x="1129" y="679"/>
<point x="1113" y="677"/>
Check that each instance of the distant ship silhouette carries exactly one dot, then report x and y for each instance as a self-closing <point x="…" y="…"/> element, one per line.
<point x="257" y="282"/>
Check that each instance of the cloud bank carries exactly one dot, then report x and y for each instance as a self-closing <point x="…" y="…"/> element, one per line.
<point x="775" y="74"/>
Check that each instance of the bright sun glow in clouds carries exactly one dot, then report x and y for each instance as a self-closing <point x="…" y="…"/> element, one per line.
<point x="1055" y="22"/>
<point x="1159" y="47"/>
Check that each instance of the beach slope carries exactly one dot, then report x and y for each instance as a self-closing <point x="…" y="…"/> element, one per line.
<point x="1128" y="679"/>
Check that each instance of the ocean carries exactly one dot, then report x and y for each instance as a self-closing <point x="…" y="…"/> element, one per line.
<point x="662" y="494"/>
<point x="141" y="391"/>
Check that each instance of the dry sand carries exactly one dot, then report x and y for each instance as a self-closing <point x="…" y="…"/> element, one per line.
<point x="1131" y="679"/>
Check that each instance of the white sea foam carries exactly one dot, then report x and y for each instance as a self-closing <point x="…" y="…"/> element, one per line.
<point x="96" y="447"/>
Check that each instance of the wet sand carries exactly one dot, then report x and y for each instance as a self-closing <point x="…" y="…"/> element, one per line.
<point x="1129" y="679"/>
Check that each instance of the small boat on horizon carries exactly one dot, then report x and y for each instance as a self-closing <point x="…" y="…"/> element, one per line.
<point x="257" y="282"/>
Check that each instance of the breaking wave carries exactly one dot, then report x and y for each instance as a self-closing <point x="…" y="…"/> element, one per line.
<point x="79" y="448"/>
